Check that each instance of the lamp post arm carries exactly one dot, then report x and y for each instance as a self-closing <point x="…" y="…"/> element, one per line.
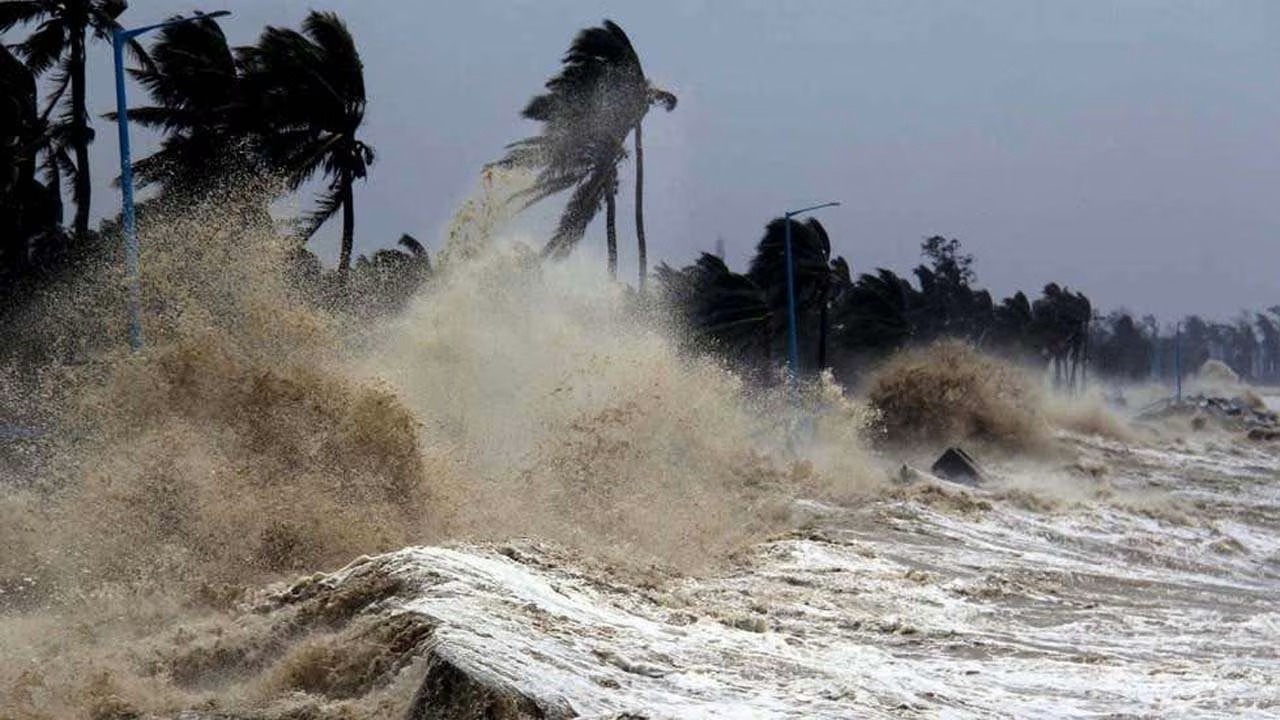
<point x="135" y="32"/>
<point x="811" y="208"/>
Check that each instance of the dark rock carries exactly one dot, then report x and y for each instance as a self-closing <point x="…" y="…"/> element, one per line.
<point x="450" y="693"/>
<point x="1259" y="434"/>
<point x="957" y="466"/>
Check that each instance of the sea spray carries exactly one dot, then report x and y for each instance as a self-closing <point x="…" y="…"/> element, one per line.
<point x="257" y="436"/>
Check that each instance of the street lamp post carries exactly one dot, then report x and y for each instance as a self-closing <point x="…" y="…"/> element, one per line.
<point x="1177" y="361"/>
<point x="793" y="340"/>
<point x="119" y="39"/>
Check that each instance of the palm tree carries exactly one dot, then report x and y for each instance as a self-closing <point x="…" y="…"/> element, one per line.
<point x="721" y="308"/>
<point x="388" y="279"/>
<point x="309" y="96"/>
<point x="598" y="98"/>
<point x="60" y="40"/>
<point x="194" y="82"/>
<point x="877" y="313"/>
<point x="814" y="271"/>
<point x="657" y="96"/>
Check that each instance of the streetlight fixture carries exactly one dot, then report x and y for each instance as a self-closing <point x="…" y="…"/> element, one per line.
<point x="119" y="39"/>
<point x="793" y="341"/>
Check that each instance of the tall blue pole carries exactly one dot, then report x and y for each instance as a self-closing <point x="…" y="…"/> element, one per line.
<point x="793" y="340"/>
<point x="132" y="262"/>
<point x="1177" y="360"/>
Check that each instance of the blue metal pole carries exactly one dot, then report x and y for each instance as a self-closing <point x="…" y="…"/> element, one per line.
<point x="793" y="341"/>
<point x="1177" y="360"/>
<point x="132" y="261"/>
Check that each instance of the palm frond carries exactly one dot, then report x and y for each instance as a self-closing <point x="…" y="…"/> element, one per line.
<point x="327" y="205"/>
<point x="21" y="12"/>
<point x="43" y="48"/>
<point x="665" y="98"/>
<point x="581" y="209"/>
<point x="410" y="243"/>
<point x="61" y="81"/>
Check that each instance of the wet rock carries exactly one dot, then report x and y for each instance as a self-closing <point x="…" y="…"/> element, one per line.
<point x="1262" y="434"/>
<point x="908" y="475"/>
<point x="957" y="466"/>
<point x="450" y="693"/>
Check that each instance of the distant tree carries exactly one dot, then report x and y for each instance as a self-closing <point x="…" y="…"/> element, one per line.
<point x="1269" y="350"/>
<point x="1196" y="344"/>
<point x="947" y="261"/>
<point x="1242" y="348"/>
<point x="876" y="315"/>
<point x="951" y="306"/>
<point x="1061" y="324"/>
<point x="308" y="94"/>
<point x="60" y="41"/>
<point x="1013" y="325"/>
<point x="657" y="96"/>
<point x="1123" y="348"/>
<point x="724" y="311"/>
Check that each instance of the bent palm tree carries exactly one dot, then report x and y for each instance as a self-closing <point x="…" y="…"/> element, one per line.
<point x="309" y="96"/>
<point x="727" y="310"/>
<point x="60" y="40"/>
<point x="593" y="103"/>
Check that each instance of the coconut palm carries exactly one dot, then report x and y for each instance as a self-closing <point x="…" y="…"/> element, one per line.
<point x="877" y="313"/>
<point x="194" y="83"/>
<point x="814" y="273"/>
<point x="722" y="309"/>
<point x="63" y="28"/>
<point x="309" y="97"/>
<point x="657" y="96"/>
<point x="598" y="98"/>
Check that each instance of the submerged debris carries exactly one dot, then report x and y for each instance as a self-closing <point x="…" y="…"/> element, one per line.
<point x="1241" y="413"/>
<point x="957" y="466"/>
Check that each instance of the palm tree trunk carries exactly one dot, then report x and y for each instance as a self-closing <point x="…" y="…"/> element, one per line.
<point x="348" y="229"/>
<point x="81" y="134"/>
<point x="55" y="187"/>
<point x="640" y="243"/>
<point x="611" y="233"/>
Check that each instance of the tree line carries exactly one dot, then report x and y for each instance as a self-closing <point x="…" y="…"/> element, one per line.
<point x="847" y="323"/>
<point x="289" y="108"/>
<point x="283" y="111"/>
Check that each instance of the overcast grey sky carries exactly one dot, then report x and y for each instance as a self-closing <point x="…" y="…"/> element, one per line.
<point x="1128" y="148"/>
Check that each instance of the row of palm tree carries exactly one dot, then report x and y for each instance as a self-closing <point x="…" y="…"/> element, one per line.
<point x="292" y="104"/>
<point x="1140" y="349"/>
<point x="847" y="324"/>
<point x="289" y="106"/>
<point x="58" y="47"/>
